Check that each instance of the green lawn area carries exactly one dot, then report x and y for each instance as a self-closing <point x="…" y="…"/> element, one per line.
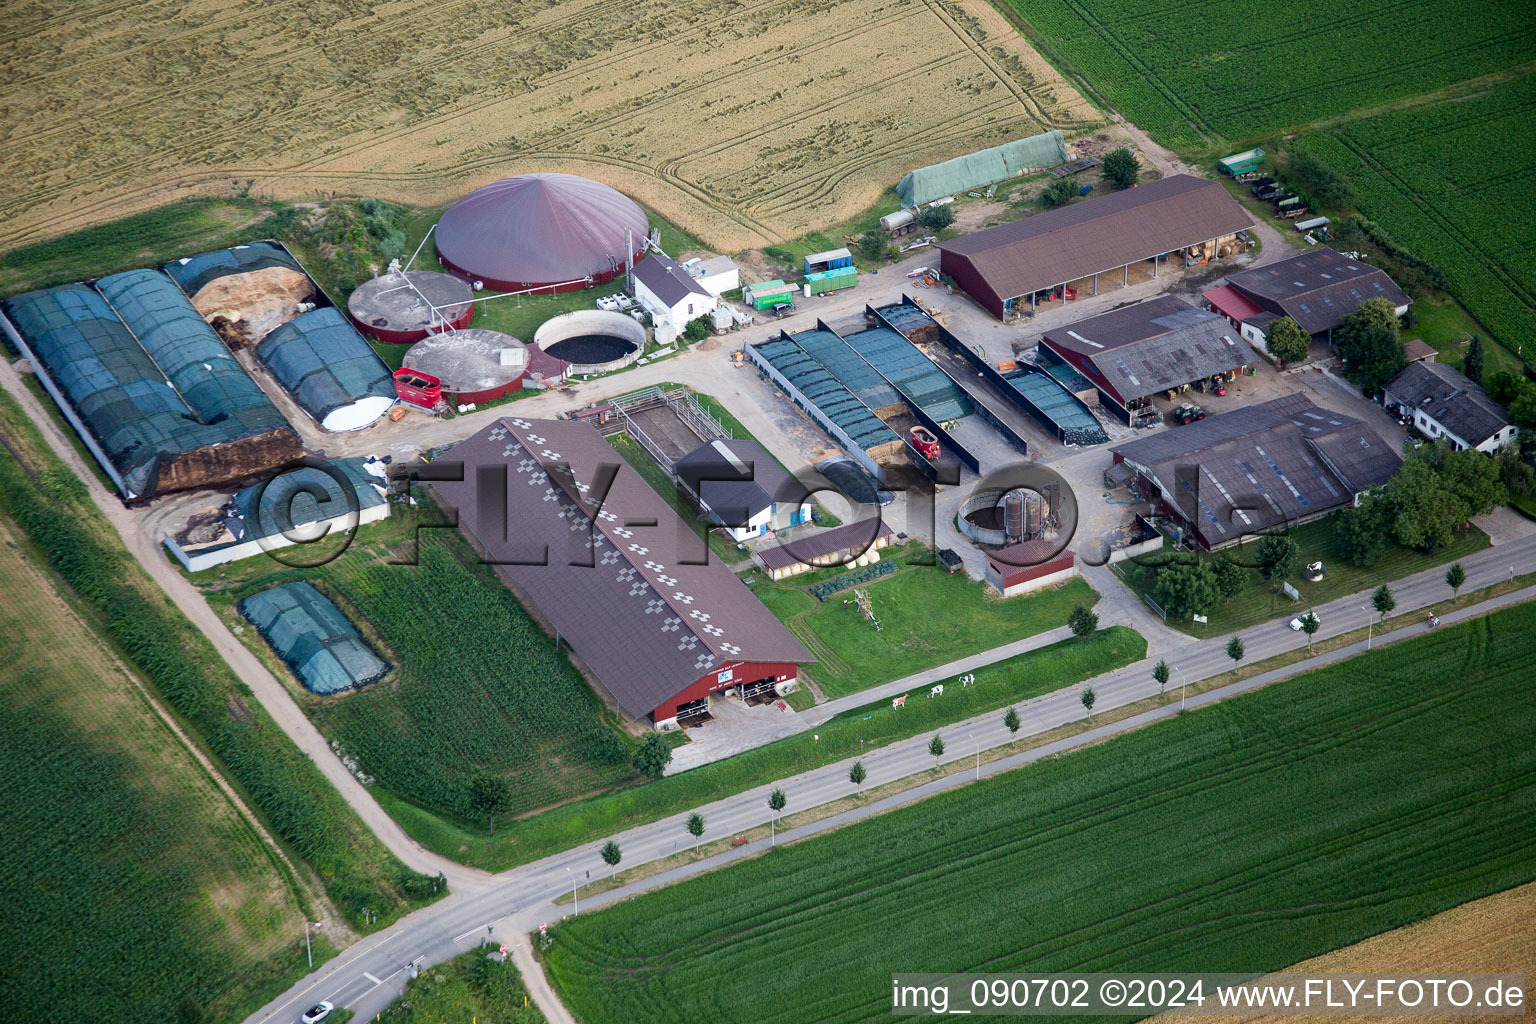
<point x="927" y="618"/>
<point x="151" y="238"/>
<point x="469" y="988"/>
<point x="1243" y="837"/>
<point x="1263" y="600"/>
<point x="560" y="828"/>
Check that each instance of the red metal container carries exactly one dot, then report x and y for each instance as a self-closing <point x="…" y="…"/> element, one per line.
<point x="418" y="388"/>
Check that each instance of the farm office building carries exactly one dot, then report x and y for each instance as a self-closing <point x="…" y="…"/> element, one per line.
<point x="1133" y="353"/>
<point x="1003" y="268"/>
<point x="1258" y="468"/>
<point x="653" y="617"/>
<point x="743" y="489"/>
<point x="1317" y="289"/>
<point x="670" y="294"/>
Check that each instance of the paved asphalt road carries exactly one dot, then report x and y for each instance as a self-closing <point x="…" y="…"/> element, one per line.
<point x="369" y="975"/>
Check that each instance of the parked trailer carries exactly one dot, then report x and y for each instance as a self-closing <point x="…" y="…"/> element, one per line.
<point x="830" y="280"/>
<point x="832" y="259"/>
<point x="1291" y="213"/>
<point x="765" y="293"/>
<point x="1289" y="199"/>
<point x="1257" y="185"/>
<point x="898" y="223"/>
<point x="1237" y="163"/>
<point x="1308" y="225"/>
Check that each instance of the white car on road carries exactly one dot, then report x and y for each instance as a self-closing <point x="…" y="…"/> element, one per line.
<point x="315" y="1014"/>
<point x="1297" y="621"/>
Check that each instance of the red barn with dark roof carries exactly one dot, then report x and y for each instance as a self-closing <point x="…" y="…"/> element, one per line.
<point x="598" y="555"/>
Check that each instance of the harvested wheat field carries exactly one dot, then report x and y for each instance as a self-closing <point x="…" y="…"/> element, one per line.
<point x="1492" y="935"/>
<point x="749" y="121"/>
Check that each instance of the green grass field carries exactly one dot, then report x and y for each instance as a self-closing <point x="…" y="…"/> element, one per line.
<point x="927" y="618"/>
<point x="150" y="634"/>
<point x="560" y="828"/>
<point x="114" y="828"/>
<point x="469" y="989"/>
<point x="477" y="686"/>
<point x="1441" y="180"/>
<point x="1263" y="601"/>
<point x="1248" y="836"/>
<point x="1198" y="75"/>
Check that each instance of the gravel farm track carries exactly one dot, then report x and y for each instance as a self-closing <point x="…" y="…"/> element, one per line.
<point x="751" y="123"/>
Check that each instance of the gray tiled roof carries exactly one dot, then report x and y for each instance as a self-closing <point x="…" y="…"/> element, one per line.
<point x="1154" y="345"/>
<point x="1451" y="399"/>
<point x="737" y="480"/>
<point x="668" y="281"/>
<point x="1263" y="465"/>
<point x="1317" y="288"/>
<point x="627" y="583"/>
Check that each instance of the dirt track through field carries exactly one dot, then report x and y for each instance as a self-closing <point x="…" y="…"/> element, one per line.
<point x="749" y="126"/>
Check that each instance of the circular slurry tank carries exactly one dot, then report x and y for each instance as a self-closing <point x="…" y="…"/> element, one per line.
<point x="997" y="517"/>
<point x="406" y="306"/>
<point x="474" y="365"/>
<point x="591" y="340"/>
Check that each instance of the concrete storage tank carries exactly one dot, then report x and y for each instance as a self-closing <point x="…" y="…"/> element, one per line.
<point x="555" y="231"/>
<point x="471" y="366"/>
<point x="405" y="306"/>
<point x="592" y="341"/>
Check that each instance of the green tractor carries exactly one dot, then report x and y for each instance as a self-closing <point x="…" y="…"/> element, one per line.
<point x="1188" y="413"/>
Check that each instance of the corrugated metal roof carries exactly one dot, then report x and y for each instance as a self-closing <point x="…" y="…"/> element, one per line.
<point x="1263" y="465"/>
<point x="628" y="584"/>
<point x="821" y="543"/>
<point x="1099" y="234"/>
<point x="1154" y="345"/>
<point x="1317" y="288"/>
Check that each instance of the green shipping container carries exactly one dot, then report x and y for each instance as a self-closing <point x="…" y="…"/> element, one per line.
<point x="767" y="294"/>
<point x="831" y="280"/>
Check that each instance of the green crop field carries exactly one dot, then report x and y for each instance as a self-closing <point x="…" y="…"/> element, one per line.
<point x="927" y="617"/>
<point x="113" y="829"/>
<point x="477" y="687"/>
<point x="1196" y="74"/>
<point x="1243" y="837"/>
<point x="1446" y="182"/>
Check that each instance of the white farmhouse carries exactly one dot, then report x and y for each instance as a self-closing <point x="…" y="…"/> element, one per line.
<point x="670" y="295"/>
<point x="1444" y="402"/>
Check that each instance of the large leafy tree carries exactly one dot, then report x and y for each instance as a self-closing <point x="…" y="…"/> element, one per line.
<point x="1361" y="533"/>
<point x="1436" y="489"/>
<point x="1121" y="168"/>
<point x="1185" y="589"/>
<point x="1373" y="356"/>
<point x="936" y="218"/>
<point x="1276" y="557"/>
<point x="1286" y="341"/>
<point x="653" y="756"/>
<point x="1377" y="312"/>
<point x="1058" y="193"/>
<point x="490" y="795"/>
<point x="1230" y="578"/>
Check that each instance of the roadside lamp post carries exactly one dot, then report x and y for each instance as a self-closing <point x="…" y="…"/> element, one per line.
<point x="574" y="897"/>
<point x="1368" y="622"/>
<point x="308" y="951"/>
<point x="1183" y="687"/>
<point x="978" y="755"/>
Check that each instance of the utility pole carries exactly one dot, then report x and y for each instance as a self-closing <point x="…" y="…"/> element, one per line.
<point x="1183" y="687"/>
<point x="574" y="897"/>
<point x="1368" y="620"/>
